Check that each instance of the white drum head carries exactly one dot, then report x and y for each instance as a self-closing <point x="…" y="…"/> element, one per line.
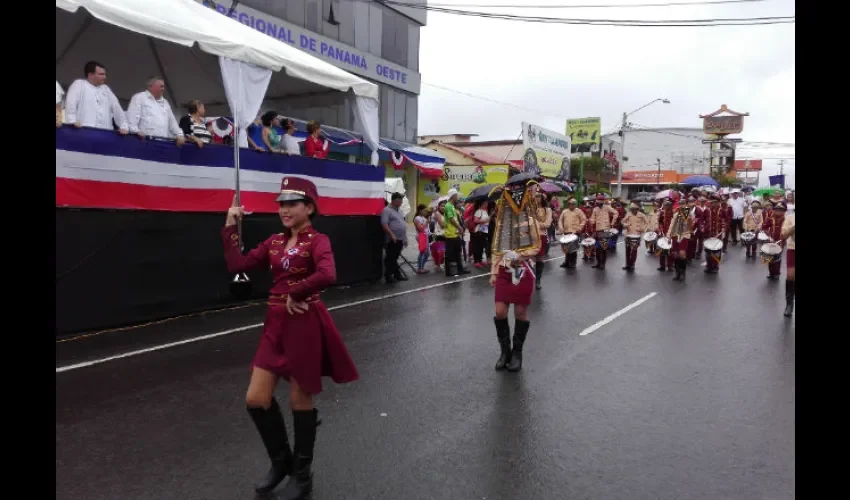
<point x="588" y="242"/>
<point x="650" y="236"/>
<point x="763" y="236"/>
<point x="665" y="243"/>
<point x="713" y="244"/>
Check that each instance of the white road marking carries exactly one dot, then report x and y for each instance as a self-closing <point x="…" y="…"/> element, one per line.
<point x="84" y="364"/>
<point x="599" y="324"/>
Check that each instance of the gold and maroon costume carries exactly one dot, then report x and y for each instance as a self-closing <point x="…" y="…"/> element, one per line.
<point x="516" y="240"/>
<point x="633" y="224"/>
<point x="681" y="231"/>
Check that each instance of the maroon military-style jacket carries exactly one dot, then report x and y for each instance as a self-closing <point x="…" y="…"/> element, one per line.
<point x="773" y="227"/>
<point x="714" y="222"/>
<point x="665" y="217"/>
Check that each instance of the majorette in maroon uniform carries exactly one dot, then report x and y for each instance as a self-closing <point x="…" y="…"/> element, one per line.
<point x="300" y="342"/>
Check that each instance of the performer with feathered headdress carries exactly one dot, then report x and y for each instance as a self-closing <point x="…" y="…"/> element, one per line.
<point x="516" y="241"/>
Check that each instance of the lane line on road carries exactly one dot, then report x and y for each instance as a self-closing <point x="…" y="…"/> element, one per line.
<point x="84" y="364"/>
<point x="599" y="324"/>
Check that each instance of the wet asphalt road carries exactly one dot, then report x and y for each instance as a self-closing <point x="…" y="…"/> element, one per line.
<point x="689" y="395"/>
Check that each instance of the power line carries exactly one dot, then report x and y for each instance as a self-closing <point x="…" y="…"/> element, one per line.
<point x="745" y="21"/>
<point x="588" y="6"/>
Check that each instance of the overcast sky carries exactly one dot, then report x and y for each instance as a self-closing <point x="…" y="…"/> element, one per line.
<point x="568" y="71"/>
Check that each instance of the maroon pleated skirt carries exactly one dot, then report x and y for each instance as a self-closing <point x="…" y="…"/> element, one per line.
<point x="789" y="258"/>
<point x="544" y="245"/>
<point x="519" y="294"/>
<point x="305" y="347"/>
<point x="680" y="244"/>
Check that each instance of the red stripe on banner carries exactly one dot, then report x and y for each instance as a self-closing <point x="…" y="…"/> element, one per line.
<point x="97" y="194"/>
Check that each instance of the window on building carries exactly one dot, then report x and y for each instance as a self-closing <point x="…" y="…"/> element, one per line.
<point x="413" y="46"/>
<point x="332" y="19"/>
<point x="376" y="25"/>
<point x="312" y="15"/>
<point x="388" y="46"/>
<point x="295" y="12"/>
<point x="348" y="13"/>
<point x="411" y="118"/>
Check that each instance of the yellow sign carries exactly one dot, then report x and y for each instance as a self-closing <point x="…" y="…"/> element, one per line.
<point x="464" y="178"/>
<point x="585" y="133"/>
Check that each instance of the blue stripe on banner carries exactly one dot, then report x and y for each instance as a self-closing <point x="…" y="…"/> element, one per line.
<point x="108" y="143"/>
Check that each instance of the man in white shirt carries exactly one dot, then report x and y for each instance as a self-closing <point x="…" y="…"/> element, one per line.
<point x="150" y="114"/>
<point x="91" y="103"/>
<point x="738" y="205"/>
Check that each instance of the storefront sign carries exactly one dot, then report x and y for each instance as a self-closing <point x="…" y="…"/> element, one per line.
<point x="546" y="152"/>
<point x="722" y="125"/>
<point x="329" y="50"/>
<point x="464" y="178"/>
<point x="748" y="165"/>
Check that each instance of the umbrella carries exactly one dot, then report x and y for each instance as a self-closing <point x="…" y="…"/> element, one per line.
<point x="723" y="191"/>
<point x="436" y="201"/>
<point x="551" y="187"/>
<point x="699" y="180"/>
<point x="485" y="192"/>
<point x="667" y="193"/>
<point x="768" y="191"/>
<point x="523" y="177"/>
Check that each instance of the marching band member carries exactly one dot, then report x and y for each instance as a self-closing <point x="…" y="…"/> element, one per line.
<point x="602" y="219"/>
<point x="665" y="217"/>
<point x="701" y="207"/>
<point x="752" y="222"/>
<point x="300" y="342"/>
<point x="635" y="222"/>
<point x="543" y="216"/>
<point x="652" y="224"/>
<point x="772" y="225"/>
<point x="587" y="209"/>
<point x="728" y="213"/>
<point x="516" y="240"/>
<point x="714" y="225"/>
<point x="787" y="234"/>
<point x="681" y="230"/>
<point x="571" y="221"/>
<point x="697" y="234"/>
<point x="617" y="205"/>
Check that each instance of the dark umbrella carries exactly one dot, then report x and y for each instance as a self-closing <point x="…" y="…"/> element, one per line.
<point x="524" y="177"/>
<point x="485" y="192"/>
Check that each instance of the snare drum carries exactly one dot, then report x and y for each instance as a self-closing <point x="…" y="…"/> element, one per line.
<point x="747" y="237"/>
<point x="763" y="237"/>
<point x="569" y="242"/>
<point x="770" y="253"/>
<point x="664" y="243"/>
<point x="588" y="244"/>
<point x="713" y="248"/>
<point x="633" y="240"/>
<point x="649" y="239"/>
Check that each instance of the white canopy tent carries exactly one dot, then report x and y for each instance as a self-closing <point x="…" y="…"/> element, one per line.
<point x="191" y="47"/>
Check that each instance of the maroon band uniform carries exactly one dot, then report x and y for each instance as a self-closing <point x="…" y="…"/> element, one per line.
<point x="713" y="223"/>
<point x="665" y="260"/>
<point x="773" y="227"/>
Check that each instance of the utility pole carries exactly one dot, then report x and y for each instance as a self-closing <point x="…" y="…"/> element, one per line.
<point x="781" y="167"/>
<point x="658" y="178"/>
<point x="623" y="159"/>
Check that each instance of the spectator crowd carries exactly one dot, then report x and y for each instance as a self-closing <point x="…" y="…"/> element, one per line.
<point x="89" y="102"/>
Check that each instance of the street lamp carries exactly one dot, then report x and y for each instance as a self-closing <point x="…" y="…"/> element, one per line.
<point x="623" y="139"/>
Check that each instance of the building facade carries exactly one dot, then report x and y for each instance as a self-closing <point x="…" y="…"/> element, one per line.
<point x="678" y="149"/>
<point x="375" y="41"/>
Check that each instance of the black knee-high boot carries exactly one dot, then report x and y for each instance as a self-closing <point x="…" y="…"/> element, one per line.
<point x="573" y="260"/>
<point x="790" y="292"/>
<point x="538" y="274"/>
<point x="503" y="333"/>
<point x="272" y="429"/>
<point x="520" y="333"/>
<point x="681" y="268"/>
<point x="300" y="485"/>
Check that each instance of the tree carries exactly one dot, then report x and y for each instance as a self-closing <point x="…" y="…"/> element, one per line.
<point x="725" y="179"/>
<point x="592" y="164"/>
